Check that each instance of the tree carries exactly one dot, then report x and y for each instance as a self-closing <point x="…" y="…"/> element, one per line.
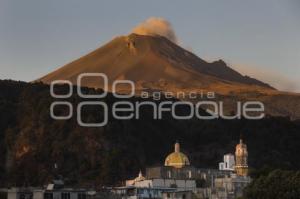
<point x="279" y="184"/>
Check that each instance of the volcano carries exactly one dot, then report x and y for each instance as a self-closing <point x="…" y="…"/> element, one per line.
<point x="156" y="63"/>
<point x="150" y="59"/>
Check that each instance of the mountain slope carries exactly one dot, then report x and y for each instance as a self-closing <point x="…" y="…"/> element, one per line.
<point x="155" y="63"/>
<point x="150" y="59"/>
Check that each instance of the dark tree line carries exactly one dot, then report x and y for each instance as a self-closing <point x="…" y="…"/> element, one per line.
<point x="275" y="184"/>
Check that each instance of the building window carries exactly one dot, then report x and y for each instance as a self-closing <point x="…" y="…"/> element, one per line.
<point x="190" y="174"/>
<point x="169" y="174"/>
<point x="26" y="195"/>
<point x="81" y="196"/>
<point x="48" y="195"/>
<point x="140" y="191"/>
<point x="65" y="195"/>
<point x="173" y="185"/>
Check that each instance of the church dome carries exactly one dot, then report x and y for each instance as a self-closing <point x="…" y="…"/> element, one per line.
<point x="177" y="159"/>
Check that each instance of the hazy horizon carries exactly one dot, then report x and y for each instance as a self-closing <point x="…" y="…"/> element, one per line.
<point x="259" y="39"/>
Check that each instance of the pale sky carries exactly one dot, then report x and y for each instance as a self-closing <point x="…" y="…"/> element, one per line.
<point x="258" y="37"/>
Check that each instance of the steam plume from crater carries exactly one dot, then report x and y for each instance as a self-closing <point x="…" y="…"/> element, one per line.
<point x="156" y="26"/>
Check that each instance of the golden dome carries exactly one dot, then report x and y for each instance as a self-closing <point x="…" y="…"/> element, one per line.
<point x="177" y="159"/>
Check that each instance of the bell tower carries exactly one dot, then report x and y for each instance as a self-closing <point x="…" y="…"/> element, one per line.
<point x="241" y="159"/>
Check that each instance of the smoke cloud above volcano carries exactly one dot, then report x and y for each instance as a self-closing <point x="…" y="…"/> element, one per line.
<point x="156" y="26"/>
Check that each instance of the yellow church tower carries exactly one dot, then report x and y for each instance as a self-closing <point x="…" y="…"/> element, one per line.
<point x="241" y="159"/>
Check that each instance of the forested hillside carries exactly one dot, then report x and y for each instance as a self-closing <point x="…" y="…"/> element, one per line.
<point x="31" y="143"/>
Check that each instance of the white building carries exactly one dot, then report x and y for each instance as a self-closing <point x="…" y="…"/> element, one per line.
<point x="230" y="187"/>
<point x="228" y="163"/>
<point x="36" y="193"/>
<point x="133" y="192"/>
<point x="179" y="184"/>
<point x="141" y="187"/>
<point x="55" y="190"/>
